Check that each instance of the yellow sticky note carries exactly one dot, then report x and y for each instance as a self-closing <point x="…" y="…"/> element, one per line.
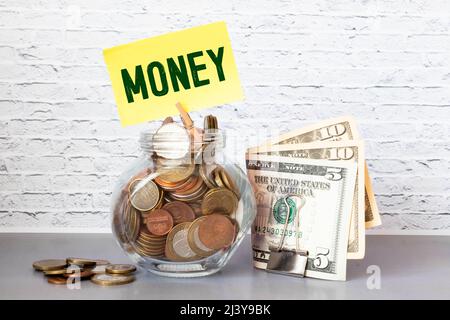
<point x="195" y="67"/>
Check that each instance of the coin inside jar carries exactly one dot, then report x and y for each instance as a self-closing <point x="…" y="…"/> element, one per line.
<point x="145" y="195"/>
<point x="194" y="241"/>
<point x="177" y="246"/>
<point x="159" y="222"/>
<point x="216" y="231"/>
<point x="205" y="172"/>
<point x="229" y="182"/>
<point x="219" y="200"/>
<point x="176" y="174"/>
<point x="180" y="212"/>
<point x="171" y="141"/>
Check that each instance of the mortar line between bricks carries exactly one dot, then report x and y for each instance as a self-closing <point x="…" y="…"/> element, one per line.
<point x="256" y="66"/>
<point x="242" y="52"/>
<point x="267" y="49"/>
<point x="212" y="10"/>
<point x="275" y="85"/>
<point x="310" y="104"/>
<point x="155" y="32"/>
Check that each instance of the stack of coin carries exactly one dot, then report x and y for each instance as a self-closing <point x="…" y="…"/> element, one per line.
<point x="182" y="209"/>
<point x="132" y="222"/>
<point x="148" y="244"/>
<point x="64" y="271"/>
<point x="115" y="274"/>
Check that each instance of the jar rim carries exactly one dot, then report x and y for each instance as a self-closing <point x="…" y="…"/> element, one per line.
<point x="178" y="145"/>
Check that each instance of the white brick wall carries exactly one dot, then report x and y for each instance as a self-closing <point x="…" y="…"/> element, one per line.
<point x="387" y="62"/>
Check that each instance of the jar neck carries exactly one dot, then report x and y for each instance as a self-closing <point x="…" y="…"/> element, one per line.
<point x="207" y="146"/>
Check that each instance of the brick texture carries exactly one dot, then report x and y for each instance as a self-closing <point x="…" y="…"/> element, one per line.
<point x="385" y="62"/>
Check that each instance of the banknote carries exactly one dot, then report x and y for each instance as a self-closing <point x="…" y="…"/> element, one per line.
<point x="336" y="129"/>
<point x="373" y="218"/>
<point x="350" y="150"/>
<point x="302" y="204"/>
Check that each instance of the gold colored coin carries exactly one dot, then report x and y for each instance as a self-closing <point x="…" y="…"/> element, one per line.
<point x="101" y="262"/>
<point x="132" y="185"/>
<point x="55" y="272"/>
<point x="131" y="222"/>
<point x="205" y="172"/>
<point x="145" y="196"/>
<point x="120" y="268"/>
<point x="105" y="279"/>
<point x="176" y="174"/>
<point x="82" y="274"/>
<point x="219" y="200"/>
<point x="218" y="178"/>
<point x="49" y="264"/>
<point x="81" y="262"/>
<point x="229" y="182"/>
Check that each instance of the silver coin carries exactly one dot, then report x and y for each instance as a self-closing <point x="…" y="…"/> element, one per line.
<point x="171" y="141"/>
<point x="181" y="245"/>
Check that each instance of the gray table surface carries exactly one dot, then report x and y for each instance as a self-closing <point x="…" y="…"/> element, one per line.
<point x="412" y="267"/>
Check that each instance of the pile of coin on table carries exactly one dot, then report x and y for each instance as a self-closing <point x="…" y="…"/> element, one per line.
<point x="101" y="272"/>
<point x="182" y="209"/>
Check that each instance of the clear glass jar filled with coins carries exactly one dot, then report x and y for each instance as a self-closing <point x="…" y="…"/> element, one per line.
<point x="183" y="208"/>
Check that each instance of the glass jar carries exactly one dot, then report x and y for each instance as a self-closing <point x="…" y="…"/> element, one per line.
<point x="182" y="208"/>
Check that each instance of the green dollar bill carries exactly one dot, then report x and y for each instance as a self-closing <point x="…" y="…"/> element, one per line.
<point x="321" y="195"/>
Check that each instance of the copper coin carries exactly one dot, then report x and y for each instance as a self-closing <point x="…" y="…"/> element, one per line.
<point x="198" y="183"/>
<point x="159" y="222"/>
<point x="216" y="231"/>
<point x="197" y="195"/>
<point x="197" y="207"/>
<point x="57" y="280"/>
<point x="180" y="212"/>
<point x="187" y="187"/>
<point x="170" y="186"/>
<point x="194" y="242"/>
